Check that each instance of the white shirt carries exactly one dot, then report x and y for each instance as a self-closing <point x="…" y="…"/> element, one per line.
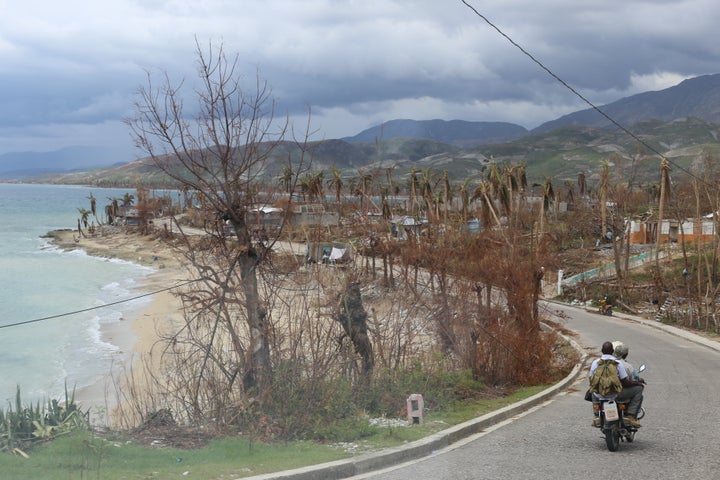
<point x="622" y="373"/>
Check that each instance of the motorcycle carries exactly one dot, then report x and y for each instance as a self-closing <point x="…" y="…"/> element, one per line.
<point x="605" y="308"/>
<point x="611" y="422"/>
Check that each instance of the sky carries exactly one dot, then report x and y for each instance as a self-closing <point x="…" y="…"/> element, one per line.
<point x="70" y="70"/>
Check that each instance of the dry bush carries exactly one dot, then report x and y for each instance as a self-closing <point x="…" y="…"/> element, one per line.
<point x="446" y="312"/>
<point x="480" y="296"/>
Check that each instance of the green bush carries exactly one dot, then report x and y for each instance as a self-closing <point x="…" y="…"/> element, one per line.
<point x="438" y="386"/>
<point x="336" y="409"/>
<point x="301" y="408"/>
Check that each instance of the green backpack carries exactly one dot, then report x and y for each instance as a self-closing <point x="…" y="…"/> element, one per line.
<point x="605" y="380"/>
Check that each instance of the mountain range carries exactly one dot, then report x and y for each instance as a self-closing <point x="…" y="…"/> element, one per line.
<point x="681" y="122"/>
<point x="455" y="132"/>
<point x="24" y="165"/>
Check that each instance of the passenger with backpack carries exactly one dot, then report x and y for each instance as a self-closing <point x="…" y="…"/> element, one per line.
<point x="610" y="380"/>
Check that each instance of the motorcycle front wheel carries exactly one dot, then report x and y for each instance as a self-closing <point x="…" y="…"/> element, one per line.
<point x="612" y="438"/>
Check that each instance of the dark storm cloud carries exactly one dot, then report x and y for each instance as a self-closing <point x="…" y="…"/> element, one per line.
<point x="69" y="69"/>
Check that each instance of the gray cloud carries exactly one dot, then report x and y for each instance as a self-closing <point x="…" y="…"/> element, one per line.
<point x="69" y="69"/>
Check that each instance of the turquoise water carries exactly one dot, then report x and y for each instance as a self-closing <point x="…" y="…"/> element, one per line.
<point x="38" y="280"/>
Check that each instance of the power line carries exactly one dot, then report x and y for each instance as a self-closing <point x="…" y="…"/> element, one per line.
<point x="578" y="94"/>
<point x="67" y="314"/>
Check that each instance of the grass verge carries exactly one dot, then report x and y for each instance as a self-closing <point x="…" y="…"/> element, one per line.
<point x="87" y="455"/>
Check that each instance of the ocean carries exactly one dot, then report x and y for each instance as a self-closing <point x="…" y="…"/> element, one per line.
<point x="40" y="354"/>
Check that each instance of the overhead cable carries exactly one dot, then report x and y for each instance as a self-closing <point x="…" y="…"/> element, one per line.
<point x="578" y="94"/>
<point x="98" y="307"/>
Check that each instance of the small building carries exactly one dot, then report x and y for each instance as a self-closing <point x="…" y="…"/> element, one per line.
<point x="405" y="226"/>
<point x="555" y="206"/>
<point x="265" y="218"/>
<point x="132" y="216"/>
<point x="313" y="215"/>
<point x="330" y="253"/>
<point x="701" y="230"/>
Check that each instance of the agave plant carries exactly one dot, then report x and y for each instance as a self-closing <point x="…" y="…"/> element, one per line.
<point x="22" y="427"/>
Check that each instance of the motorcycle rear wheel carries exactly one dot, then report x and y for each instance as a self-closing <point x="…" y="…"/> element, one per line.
<point x="612" y="438"/>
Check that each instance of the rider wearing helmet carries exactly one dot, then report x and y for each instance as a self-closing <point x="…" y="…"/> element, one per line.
<point x="620" y="351"/>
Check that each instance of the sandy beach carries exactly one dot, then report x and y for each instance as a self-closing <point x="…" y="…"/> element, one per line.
<point x="137" y="335"/>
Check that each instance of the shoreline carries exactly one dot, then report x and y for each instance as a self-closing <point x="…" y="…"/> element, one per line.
<point x="137" y="333"/>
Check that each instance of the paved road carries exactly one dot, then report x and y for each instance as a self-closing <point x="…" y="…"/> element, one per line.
<point x="679" y="438"/>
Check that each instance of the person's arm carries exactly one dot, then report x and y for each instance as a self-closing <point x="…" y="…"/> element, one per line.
<point x="625" y="379"/>
<point x="626" y="382"/>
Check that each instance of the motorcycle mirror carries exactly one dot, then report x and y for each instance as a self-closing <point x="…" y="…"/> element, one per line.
<point x="642" y="368"/>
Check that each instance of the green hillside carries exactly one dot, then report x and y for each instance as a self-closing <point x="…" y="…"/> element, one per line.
<point x="560" y="154"/>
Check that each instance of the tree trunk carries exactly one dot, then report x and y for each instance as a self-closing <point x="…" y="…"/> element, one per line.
<point x="352" y="316"/>
<point x="258" y="369"/>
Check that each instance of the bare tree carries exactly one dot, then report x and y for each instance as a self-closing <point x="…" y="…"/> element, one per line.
<point x="336" y="183"/>
<point x="582" y="184"/>
<point x="222" y="154"/>
<point x="484" y="193"/>
<point x="414" y="189"/>
<point x="351" y="314"/>
<point x="604" y="185"/>
<point x="664" y="193"/>
<point x="464" y="191"/>
<point x="548" y="199"/>
<point x="93" y="205"/>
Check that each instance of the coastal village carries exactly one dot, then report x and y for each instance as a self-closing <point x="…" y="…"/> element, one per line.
<point x="426" y="298"/>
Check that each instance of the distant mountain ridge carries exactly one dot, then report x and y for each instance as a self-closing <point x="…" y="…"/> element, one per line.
<point x="23" y="165"/>
<point x="697" y="97"/>
<point x="682" y="121"/>
<point x="460" y="133"/>
<point x="561" y="154"/>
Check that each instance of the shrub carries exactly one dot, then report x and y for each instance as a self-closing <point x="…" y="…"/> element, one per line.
<point x="26" y="426"/>
<point x="335" y="409"/>
<point x="439" y="387"/>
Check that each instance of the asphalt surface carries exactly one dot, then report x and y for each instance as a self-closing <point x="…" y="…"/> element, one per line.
<point x="549" y="436"/>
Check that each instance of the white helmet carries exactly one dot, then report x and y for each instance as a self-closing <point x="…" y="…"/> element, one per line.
<point x="620" y="350"/>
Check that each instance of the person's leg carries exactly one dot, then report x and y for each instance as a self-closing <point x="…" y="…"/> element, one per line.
<point x="634" y="396"/>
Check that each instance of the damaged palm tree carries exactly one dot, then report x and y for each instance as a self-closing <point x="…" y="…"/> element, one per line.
<point x="352" y="316"/>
